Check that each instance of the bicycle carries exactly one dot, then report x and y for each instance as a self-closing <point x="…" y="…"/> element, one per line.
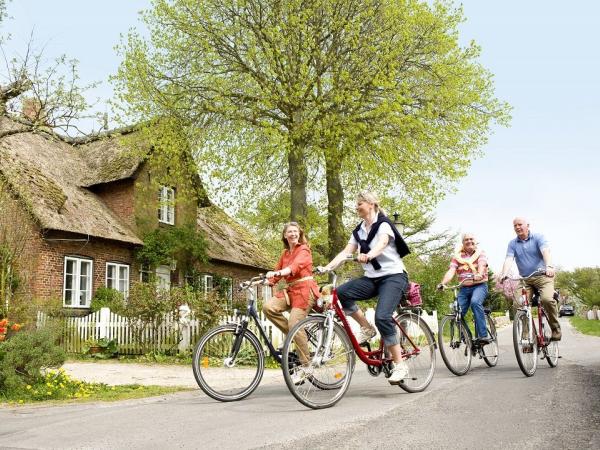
<point x="456" y="342"/>
<point x="333" y="347"/>
<point x="529" y="339"/>
<point x="229" y="360"/>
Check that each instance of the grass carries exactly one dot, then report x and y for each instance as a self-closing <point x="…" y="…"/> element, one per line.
<point x="591" y="327"/>
<point x="57" y="386"/>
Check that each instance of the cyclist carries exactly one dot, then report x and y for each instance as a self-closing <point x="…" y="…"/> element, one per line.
<point x="470" y="266"/>
<point x="531" y="253"/>
<point x="300" y="290"/>
<point x="380" y="250"/>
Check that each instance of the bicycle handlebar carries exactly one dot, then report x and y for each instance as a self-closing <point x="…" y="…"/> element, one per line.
<point x="322" y="270"/>
<point x="260" y="279"/>
<point x="536" y="272"/>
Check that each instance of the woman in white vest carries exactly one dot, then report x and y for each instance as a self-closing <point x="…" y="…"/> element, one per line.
<point x="469" y="264"/>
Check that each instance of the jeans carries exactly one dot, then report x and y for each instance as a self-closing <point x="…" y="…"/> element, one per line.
<point x="389" y="288"/>
<point x="474" y="296"/>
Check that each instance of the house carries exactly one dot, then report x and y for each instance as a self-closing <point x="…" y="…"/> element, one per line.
<point x="83" y="208"/>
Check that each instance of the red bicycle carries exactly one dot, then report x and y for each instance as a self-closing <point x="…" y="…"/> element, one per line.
<point x="332" y="347"/>
<point x="529" y="338"/>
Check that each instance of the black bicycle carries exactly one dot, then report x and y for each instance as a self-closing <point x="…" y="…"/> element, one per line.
<point x="229" y="360"/>
<point x="456" y="342"/>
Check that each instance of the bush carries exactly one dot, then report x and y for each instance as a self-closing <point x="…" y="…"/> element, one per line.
<point x="24" y="356"/>
<point x="108" y="298"/>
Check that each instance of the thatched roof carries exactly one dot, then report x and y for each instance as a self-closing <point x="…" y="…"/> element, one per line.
<point x="229" y="241"/>
<point x="47" y="175"/>
<point x="109" y="159"/>
<point x="51" y="177"/>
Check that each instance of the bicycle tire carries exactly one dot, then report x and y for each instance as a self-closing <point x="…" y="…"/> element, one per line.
<point x="225" y="380"/>
<point x="490" y="351"/>
<point x="550" y="350"/>
<point x="421" y="364"/>
<point x="455" y="345"/>
<point x="330" y="368"/>
<point x="526" y="350"/>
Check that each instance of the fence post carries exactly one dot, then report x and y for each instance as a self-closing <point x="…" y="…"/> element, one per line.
<point x="103" y="323"/>
<point x="184" y="328"/>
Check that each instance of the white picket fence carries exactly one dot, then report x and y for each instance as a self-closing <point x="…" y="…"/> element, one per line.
<point x="171" y="335"/>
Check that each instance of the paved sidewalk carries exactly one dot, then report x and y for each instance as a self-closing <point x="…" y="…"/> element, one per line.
<point x="114" y="373"/>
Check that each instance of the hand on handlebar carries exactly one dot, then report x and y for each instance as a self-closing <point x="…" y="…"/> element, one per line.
<point x="441" y="287"/>
<point x="270" y="274"/>
<point x="321" y="270"/>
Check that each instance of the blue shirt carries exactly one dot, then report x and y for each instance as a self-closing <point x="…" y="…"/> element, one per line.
<point x="528" y="253"/>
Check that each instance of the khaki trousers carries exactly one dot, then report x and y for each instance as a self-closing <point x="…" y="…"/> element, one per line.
<point x="274" y="309"/>
<point x="545" y="286"/>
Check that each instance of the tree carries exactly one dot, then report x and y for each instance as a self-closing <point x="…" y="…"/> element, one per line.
<point x="583" y="283"/>
<point x="377" y="90"/>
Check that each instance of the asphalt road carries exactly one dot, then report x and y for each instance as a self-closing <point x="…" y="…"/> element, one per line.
<point x="487" y="408"/>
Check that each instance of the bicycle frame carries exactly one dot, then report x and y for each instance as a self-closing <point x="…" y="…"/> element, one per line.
<point x="242" y="326"/>
<point x="526" y="306"/>
<point x="374" y="358"/>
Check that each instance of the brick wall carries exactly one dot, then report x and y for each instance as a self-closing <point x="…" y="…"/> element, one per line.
<point x="51" y="249"/>
<point x="119" y="197"/>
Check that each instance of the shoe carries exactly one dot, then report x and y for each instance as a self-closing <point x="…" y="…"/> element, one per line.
<point x="301" y="374"/>
<point x="484" y="340"/>
<point x="365" y="334"/>
<point x="399" y="373"/>
<point x="556" y="335"/>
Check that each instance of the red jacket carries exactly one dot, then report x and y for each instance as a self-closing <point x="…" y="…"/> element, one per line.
<point x="300" y="261"/>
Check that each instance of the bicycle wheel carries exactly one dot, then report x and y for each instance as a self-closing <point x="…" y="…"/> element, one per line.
<point x="490" y="351"/>
<point x="327" y="376"/>
<point x="455" y="345"/>
<point x="223" y="373"/>
<point x="551" y="352"/>
<point x="525" y="347"/>
<point x="418" y="347"/>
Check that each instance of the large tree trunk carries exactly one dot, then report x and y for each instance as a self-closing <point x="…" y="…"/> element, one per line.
<point x="298" y="178"/>
<point x="335" y="206"/>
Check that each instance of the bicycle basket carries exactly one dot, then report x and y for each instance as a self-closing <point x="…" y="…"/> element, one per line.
<point x="412" y="295"/>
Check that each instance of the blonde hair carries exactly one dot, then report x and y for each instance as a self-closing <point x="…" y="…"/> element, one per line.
<point x="301" y="238"/>
<point x="369" y="197"/>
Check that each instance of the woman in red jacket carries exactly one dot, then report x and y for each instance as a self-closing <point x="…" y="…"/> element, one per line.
<point x="300" y="291"/>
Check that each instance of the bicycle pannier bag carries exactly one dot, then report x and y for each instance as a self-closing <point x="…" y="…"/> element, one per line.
<point x="412" y="296"/>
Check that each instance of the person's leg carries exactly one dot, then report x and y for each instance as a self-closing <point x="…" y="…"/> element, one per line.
<point x="391" y="290"/>
<point x="478" y="295"/>
<point x="301" y="341"/>
<point x="273" y="309"/>
<point x="545" y="286"/>
<point x="358" y="289"/>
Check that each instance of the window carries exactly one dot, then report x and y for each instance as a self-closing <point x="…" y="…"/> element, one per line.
<point x="166" y="205"/>
<point x="77" y="291"/>
<point x="163" y="277"/>
<point x="206" y="281"/>
<point x="145" y="274"/>
<point x="117" y="277"/>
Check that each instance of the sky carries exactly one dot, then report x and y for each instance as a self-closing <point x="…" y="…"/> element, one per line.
<point x="545" y="59"/>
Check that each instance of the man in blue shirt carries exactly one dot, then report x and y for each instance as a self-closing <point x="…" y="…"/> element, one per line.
<point x="531" y="253"/>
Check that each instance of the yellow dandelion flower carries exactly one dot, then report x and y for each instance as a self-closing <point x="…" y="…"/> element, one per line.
<point x="20" y="401"/>
<point x="28" y="387"/>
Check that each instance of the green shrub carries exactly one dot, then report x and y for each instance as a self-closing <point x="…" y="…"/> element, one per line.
<point x="25" y="355"/>
<point x="108" y="298"/>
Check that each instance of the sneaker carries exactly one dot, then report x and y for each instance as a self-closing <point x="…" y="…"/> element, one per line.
<point x="556" y="335"/>
<point x="365" y="334"/>
<point x="399" y="373"/>
<point x="301" y="374"/>
<point x="484" y="340"/>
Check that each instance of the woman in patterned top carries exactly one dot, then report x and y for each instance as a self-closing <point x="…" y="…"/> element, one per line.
<point x="470" y="266"/>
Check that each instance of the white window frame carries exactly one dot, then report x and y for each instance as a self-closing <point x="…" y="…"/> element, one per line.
<point x="118" y="267"/>
<point x="163" y="278"/>
<point x="166" y="205"/>
<point x="207" y="281"/>
<point x="76" y="284"/>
